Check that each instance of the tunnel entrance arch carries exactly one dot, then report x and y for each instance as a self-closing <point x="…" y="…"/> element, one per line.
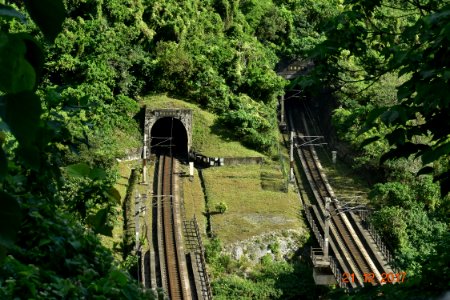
<point x="168" y="127"/>
<point x="169" y="136"/>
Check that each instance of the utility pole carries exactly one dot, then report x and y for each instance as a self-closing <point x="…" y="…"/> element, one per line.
<point x="291" y="156"/>
<point x="327" y="228"/>
<point x="136" y="221"/>
<point x="144" y="159"/>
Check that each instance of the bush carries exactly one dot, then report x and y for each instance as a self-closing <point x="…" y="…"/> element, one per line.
<point x="221" y="207"/>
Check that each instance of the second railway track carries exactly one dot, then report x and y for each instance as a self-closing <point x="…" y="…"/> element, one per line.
<point x="347" y="241"/>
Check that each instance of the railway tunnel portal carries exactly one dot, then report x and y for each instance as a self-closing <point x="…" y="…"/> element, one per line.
<point x="168" y="130"/>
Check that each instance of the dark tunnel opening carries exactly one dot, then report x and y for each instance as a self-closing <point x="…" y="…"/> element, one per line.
<point x="169" y="136"/>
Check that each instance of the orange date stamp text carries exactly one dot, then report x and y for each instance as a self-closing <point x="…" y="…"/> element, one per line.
<point x="370" y="277"/>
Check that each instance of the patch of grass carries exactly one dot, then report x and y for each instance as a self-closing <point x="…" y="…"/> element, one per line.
<point x="252" y="210"/>
<point x="194" y="199"/>
<point x="205" y="135"/>
<point x="272" y="178"/>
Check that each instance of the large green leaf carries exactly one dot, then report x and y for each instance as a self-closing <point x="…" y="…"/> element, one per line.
<point x="425" y="170"/>
<point x="369" y="141"/>
<point x="78" y="170"/>
<point x="3" y="164"/>
<point x="49" y="15"/>
<point x="34" y="54"/>
<point x="98" y="223"/>
<point x="371" y="117"/>
<point x="398" y="136"/>
<point x="403" y="150"/>
<point x="97" y="173"/>
<point x="434" y="154"/>
<point x="17" y="74"/>
<point x="119" y="277"/>
<point x="23" y="113"/>
<point x="10" y="218"/>
<point x="113" y="194"/>
<point x="10" y="13"/>
<point x="29" y="154"/>
<point x="84" y="170"/>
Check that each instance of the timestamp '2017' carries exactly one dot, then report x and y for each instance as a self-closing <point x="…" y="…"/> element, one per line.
<point x="370" y="277"/>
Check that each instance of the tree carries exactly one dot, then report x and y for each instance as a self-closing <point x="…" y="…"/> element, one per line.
<point x="51" y="253"/>
<point x="385" y="62"/>
<point x="378" y="38"/>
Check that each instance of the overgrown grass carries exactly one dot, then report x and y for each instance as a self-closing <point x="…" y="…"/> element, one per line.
<point x="346" y="183"/>
<point x="256" y="195"/>
<point x="252" y="210"/>
<point x="205" y="136"/>
<point x="194" y="199"/>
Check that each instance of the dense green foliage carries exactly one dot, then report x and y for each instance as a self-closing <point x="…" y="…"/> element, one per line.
<point x="385" y="62"/>
<point x="52" y="200"/>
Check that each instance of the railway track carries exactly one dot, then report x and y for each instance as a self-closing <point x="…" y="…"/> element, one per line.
<point x="172" y="261"/>
<point x="175" y="260"/>
<point x="347" y="241"/>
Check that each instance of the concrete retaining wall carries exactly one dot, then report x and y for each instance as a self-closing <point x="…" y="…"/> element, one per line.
<point x="231" y="161"/>
<point x="132" y="154"/>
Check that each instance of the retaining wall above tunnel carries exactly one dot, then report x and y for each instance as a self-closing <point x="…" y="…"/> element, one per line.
<point x="152" y="116"/>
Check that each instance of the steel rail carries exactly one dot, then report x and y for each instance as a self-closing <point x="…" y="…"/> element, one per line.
<point x="359" y="259"/>
<point x="172" y="259"/>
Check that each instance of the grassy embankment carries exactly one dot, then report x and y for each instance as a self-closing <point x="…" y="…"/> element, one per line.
<point x="346" y="183"/>
<point x="252" y="209"/>
<point x="255" y="194"/>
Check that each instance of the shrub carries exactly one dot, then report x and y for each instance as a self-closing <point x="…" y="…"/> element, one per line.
<point x="221" y="207"/>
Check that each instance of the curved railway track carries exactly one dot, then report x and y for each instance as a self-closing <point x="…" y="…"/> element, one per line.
<point x="345" y="239"/>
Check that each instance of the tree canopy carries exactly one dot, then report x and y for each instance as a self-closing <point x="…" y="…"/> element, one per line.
<point x="385" y="62"/>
